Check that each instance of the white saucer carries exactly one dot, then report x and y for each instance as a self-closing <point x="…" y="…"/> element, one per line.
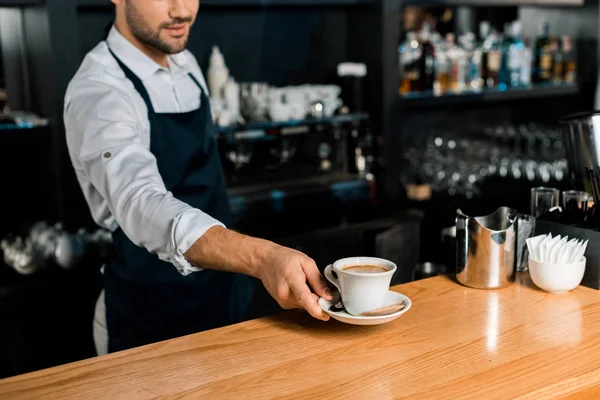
<point x="390" y="298"/>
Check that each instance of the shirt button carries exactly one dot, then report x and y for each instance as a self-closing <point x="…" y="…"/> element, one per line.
<point x="107" y="154"/>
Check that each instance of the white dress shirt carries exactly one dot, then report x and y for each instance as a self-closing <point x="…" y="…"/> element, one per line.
<point x="108" y="136"/>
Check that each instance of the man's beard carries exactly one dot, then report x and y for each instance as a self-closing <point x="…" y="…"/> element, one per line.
<point x="146" y="35"/>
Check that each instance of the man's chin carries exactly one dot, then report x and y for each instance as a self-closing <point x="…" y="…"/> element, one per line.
<point x="175" y="46"/>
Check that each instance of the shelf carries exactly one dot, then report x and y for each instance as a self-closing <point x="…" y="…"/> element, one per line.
<point x="428" y="99"/>
<point x="485" y="3"/>
<point x="272" y="129"/>
<point x="344" y="187"/>
<point x="20" y="3"/>
<point x="328" y="181"/>
<point x="247" y="3"/>
<point x="329" y="3"/>
<point x="20" y="127"/>
<point x="19" y="121"/>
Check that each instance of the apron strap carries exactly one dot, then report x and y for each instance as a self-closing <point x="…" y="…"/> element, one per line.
<point x="137" y="83"/>
<point x="198" y="84"/>
<point x="139" y="86"/>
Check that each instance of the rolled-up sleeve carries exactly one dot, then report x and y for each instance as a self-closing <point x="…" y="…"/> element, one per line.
<point x="105" y="140"/>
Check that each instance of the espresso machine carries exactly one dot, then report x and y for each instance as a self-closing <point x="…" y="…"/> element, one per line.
<point x="277" y="172"/>
<point x="582" y="140"/>
<point x="278" y="152"/>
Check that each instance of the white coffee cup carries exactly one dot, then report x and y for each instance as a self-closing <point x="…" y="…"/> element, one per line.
<point x="361" y="291"/>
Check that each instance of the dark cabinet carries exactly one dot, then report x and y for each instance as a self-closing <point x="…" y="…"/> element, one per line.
<point x="46" y="319"/>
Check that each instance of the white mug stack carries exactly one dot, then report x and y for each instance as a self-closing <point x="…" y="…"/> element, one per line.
<point x="294" y="102"/>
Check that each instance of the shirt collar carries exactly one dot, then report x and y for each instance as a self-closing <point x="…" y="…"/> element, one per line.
<point x="138" y="62"/>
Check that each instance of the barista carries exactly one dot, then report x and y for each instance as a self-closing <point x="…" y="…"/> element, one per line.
<point x="142" y="142"/>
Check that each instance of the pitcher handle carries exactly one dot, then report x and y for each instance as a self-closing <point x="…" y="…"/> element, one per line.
<point x="517" y="245"/>
<point x="462" y="241"/>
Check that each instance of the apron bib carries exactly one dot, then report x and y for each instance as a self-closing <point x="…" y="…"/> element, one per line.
<point x="148" y="300"/>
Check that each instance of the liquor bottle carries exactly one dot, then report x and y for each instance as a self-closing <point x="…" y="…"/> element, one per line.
<point x="515" y="55"/>
<point x="557" y="61"/>
<point x="526" y="65"/>
<point x="427" y="60"/>
<point x="403" y="55"/>
<point x="493" y="59"/>
<point x="570" y="60"/>
<point x="504" y="73"/>
<point x="442" y="67"/>
<point x="473" y="58"/>
<point x="410" y="54"/>
<point x="457" y="59"/>
<point x="542" y="70"/>
<point x="484" y="33"/>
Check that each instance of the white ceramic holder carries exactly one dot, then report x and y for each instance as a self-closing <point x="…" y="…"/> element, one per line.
<point x="556" y="278"/>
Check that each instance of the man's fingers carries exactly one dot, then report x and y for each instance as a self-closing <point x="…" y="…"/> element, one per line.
<point x="316" y="280"/>
<point x="307" y="299"/>
<point x="316" y="299"/>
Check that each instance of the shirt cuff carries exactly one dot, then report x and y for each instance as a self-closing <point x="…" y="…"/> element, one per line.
<point x="187" y="228"/>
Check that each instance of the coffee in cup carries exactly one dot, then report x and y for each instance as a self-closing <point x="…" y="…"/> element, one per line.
<point x="365" y="269"/>
<point x="363" y="282"/>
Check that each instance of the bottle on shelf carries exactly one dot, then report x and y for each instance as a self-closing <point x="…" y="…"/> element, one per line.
<point x="526" y="64"/>
<point x="484" y="33"/>
<point x="542" y="70"/>
<point x="437" y="40"/>
<point x="427" y="59"/>
<point x="473" y="56"/>
<point x="505" y="42"/>
<point x="491" y="48"/>
<point x="410" y="54"/>
<point x="218" y="74"/>
<point x="515" y="56"/>
<point x="403" y="51"/>
<point x="442" y="67"/>
<point x="458" y="65"/>
<point x="569" y="60"/>
<point x="557" y="61"/>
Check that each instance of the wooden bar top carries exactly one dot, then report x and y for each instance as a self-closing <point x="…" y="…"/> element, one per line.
<point x="455" y="342"/>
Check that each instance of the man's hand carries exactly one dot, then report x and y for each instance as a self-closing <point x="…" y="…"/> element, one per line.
<point x="285" y="274"/>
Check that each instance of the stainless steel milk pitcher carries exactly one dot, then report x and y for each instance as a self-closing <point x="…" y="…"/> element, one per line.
<point x="486" y="256"/>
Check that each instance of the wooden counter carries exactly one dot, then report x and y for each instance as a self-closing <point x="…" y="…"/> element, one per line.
<point x="455" y="342"/>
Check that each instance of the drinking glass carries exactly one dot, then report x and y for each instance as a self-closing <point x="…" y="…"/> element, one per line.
<point x="574" y="199"/>
<point x="543" y="199"/>
<point x="526" y="228"/>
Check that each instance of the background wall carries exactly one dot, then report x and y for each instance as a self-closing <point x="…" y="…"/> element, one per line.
<point x="258" y="45"/>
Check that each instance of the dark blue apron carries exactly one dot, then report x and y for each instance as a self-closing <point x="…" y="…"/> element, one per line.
<point x="148" y="300"/>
